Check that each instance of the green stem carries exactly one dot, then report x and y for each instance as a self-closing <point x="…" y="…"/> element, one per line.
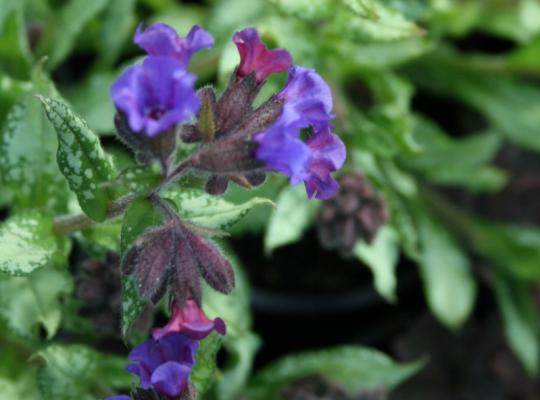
<point x="66" y="224"/>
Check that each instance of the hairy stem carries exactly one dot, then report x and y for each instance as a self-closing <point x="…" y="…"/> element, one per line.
<point x="66" y="224"/>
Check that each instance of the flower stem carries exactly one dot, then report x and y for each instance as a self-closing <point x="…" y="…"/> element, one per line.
<point x="66" y="224"/>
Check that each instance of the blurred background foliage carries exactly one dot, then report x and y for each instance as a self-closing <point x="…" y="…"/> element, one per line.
<point x="438" y="102"/>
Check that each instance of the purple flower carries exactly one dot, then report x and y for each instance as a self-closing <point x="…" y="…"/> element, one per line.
<point x="307" y="97"/>
<point x="191" y="321"/>
<point x="162" y="40"/>
<point x="255" y="56"/>
<point x="119" y="397"/>
<point x="164" y="364"/>
<point x="307" y="103"/>
<point x="156" y="95"/>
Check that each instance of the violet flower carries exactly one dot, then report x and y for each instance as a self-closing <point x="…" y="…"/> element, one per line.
<point x="156" y="95"/>
<point x="255" y="56"/>
<point x="164" y="364"/>
<point x="162" y="40"/>
<point x="307" y="104"/>
<point x="191" y="321"/>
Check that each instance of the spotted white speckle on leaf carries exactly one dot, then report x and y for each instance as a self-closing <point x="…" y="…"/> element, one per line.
<point x="210" y="211"/>
<point x="80" y="158"/>
<point x="26" y="243"/>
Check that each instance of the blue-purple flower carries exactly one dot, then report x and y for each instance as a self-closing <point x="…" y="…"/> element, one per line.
<point x="255" y="56"/>
<point x="164" y="364"/>
<point x="156" y="95"/>
<point x="162" y="40"/>
<point x="307" y="104"/>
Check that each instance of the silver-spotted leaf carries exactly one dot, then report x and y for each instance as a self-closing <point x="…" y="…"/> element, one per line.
<point x="209" y="211"/>
<point x="26" y="243"/>
<point x="80" y="157"/>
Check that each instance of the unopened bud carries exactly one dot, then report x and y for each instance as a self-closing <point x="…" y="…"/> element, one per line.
<point x="356" y="212"/>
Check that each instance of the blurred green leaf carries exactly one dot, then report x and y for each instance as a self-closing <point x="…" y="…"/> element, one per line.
<point x="116" y="28"/>
<point x="17" y="379"/>
<point x="77" y="372"/>
<point x="68" y="24"/>
<point x="353" y="367"/>
<point x="241" y="351"/>
<point x="386" y="127"/>
<point x="514" y="248"/>
<point x="520" y="317"/>
<point x="15" y="56"/>
<point x="81" y="159"/>
<point x="445" y="160"/>
<point x="449" y="285"/>
<point x="512" y="106"/>
<point x="12" y="91"/>
<point x="381" y="258"/>
<point x="31" y="301"/>
<point x="292" y="217"/>
<point x="241" y="344"/>
<point x="210" y="211"/>
<point x="92" y="100"/>
<point x="357" y="20"/>
<point x="26" y="243"/>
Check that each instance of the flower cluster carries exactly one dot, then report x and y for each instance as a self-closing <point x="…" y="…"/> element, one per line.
<point x="164" y="363"/>
<point x="240" y="143"/>
<point x="157" y="104"/>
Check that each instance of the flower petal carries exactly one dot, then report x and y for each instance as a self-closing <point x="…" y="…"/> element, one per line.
<point x="256" y="57"/>
<point x="171" y="378"/>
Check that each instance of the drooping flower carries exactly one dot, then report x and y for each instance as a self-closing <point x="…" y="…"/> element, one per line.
<point x="256" y="57"/>
<point x="191" y="321"/>
<point x="162" y="40"/>
<point x="156" y="95"/>
<point x="307" y="104"/>
<point x="164" y="364"/>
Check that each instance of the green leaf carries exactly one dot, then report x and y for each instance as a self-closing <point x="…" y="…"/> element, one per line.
<point x="80" y="158"/>
<point x="29" y="301"/>
<point x="521" y="321"/>
<point x="513" y="248"/>
<point x="241" y="351"/>
<point x="15" y="56"/>
<point x="116" y="28"/>
<point x="205" y="371"/>
<point x="24" y="387"/>
<point x="27" y="156"/>
<point x="292" y="217"/>
<point x="449" y="285"/>
<point x="26" y="243"/>
<point x="241" y="344"/>
<point x="139" y="216"/>
<point x="77" y="372"/>
<point x="512" y="106"/>
<point x="445" y="160"/>
<point x="12" y="91"/>
<point x="69" y="22"/>
<point x="210" y="211"/>
<point x="357" y="20"/>
<point x="92" y="100"/>
<point x="353" y="367"/>
<point x="140" y="179"/>
<point x="381" y="257"/>
<point x="17" y="380"/>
